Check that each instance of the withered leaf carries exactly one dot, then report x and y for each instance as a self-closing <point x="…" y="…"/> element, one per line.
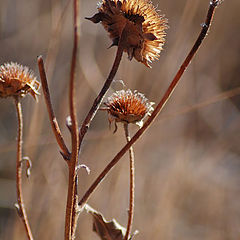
<point x="106" y="230"/>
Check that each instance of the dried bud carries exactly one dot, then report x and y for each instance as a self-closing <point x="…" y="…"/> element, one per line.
<point x="17" y="80"/>
<point x="143" y="26"/>
<point x="128" y="107"/>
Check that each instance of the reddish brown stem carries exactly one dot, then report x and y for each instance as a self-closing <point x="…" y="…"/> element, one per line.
<point x="20" y="204"/>
<point x="132" y="185"/>
<point x="159" y="107"/>
<point x="52" y="117"/>
<point x="72" y="164"/>
<point x="99" y="98"/>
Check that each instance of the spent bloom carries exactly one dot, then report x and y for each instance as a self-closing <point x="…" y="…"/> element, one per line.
<point x="139" y="22"/>
<point x="17" y="80"/>
<point x="128" y="107"/>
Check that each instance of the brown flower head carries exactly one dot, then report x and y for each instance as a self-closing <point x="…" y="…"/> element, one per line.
<point x="17" y="80"/>
<point x="128" y="107"/>
<point x="143" y="27"/>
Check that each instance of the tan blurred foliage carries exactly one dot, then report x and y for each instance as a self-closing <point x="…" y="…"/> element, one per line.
<point x="187" y="163"/>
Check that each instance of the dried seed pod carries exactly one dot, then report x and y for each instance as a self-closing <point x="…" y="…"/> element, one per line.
<point x="17" y="80"/>
<point x="144" y="27"/>
<point x="128" y="107"/>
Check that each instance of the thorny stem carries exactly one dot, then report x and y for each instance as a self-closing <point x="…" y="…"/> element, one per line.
<point x="20" y="204"/>
<point x="159" y="107"/>
<point x="72" y="164"/>
<point x="52" y="117"/>
<point x="132" y="185"/>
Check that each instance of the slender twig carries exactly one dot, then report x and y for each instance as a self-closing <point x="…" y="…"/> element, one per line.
<point x="159" y="107"/>
<point x="76" y="213"/>
<point x="132" y="185"/>
<point x="20" y="204"/>
<point x="99" y="98"/>
<point x="52" y="118"/>
<point x="72" y="164"/>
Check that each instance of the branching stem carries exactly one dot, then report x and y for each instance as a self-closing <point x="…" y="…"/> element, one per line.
<point x="72" y="164"/>
<point x="159" y="107"/>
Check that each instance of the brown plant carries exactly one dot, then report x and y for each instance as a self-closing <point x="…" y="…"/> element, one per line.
<point x="145" y="28"/>
<point x="136" y="28"/>
<point x="17" y="81"/>
<point x="128" y="107"/>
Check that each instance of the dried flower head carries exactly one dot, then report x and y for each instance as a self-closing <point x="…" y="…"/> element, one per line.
<point x="17" y="80"/>
<point x="138" y="19"/>
<point x="128" y="107"/>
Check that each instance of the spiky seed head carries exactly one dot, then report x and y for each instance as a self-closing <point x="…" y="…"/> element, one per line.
<point x="143" y="26"/>
<point x="128" y="107"/>
<point x="17" y="80"/>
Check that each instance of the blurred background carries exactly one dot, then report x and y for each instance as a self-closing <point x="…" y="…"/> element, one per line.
<point x="188" y="161"/>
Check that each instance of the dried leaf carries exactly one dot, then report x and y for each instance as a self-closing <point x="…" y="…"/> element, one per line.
<point x="106" y="230"/>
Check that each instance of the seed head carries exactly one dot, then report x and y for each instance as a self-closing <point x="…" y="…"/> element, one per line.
<point x="17" y="80"/>
<point x="128" y="107"/>
<point x="138" y="19"/>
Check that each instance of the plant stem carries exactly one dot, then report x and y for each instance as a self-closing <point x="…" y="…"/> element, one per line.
<point x="76" y="213"/>
<point x="132" y="185"/>
<point x="99" y="98"/>
<point x="72" y="164"/>
<point x="52" y="117"/>
<point x="159" y="107"/>
<point x="20" y="204"/>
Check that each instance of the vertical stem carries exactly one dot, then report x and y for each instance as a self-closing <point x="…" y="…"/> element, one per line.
<point x="20" y="204"/>
<point x="132" y="185"/>
<point x="76" y="213"/>
<point x="71" y="207"/>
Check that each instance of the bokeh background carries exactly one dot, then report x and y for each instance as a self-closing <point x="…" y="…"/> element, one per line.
<point x="188" y="161"/>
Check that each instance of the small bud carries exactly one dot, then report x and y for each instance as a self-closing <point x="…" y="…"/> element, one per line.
<point x="128" y="107"/>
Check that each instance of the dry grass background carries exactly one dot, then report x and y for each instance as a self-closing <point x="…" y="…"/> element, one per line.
<point x="187" y="163"/>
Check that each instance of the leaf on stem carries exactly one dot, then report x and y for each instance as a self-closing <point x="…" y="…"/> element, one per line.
<point x="106" y="230"/>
